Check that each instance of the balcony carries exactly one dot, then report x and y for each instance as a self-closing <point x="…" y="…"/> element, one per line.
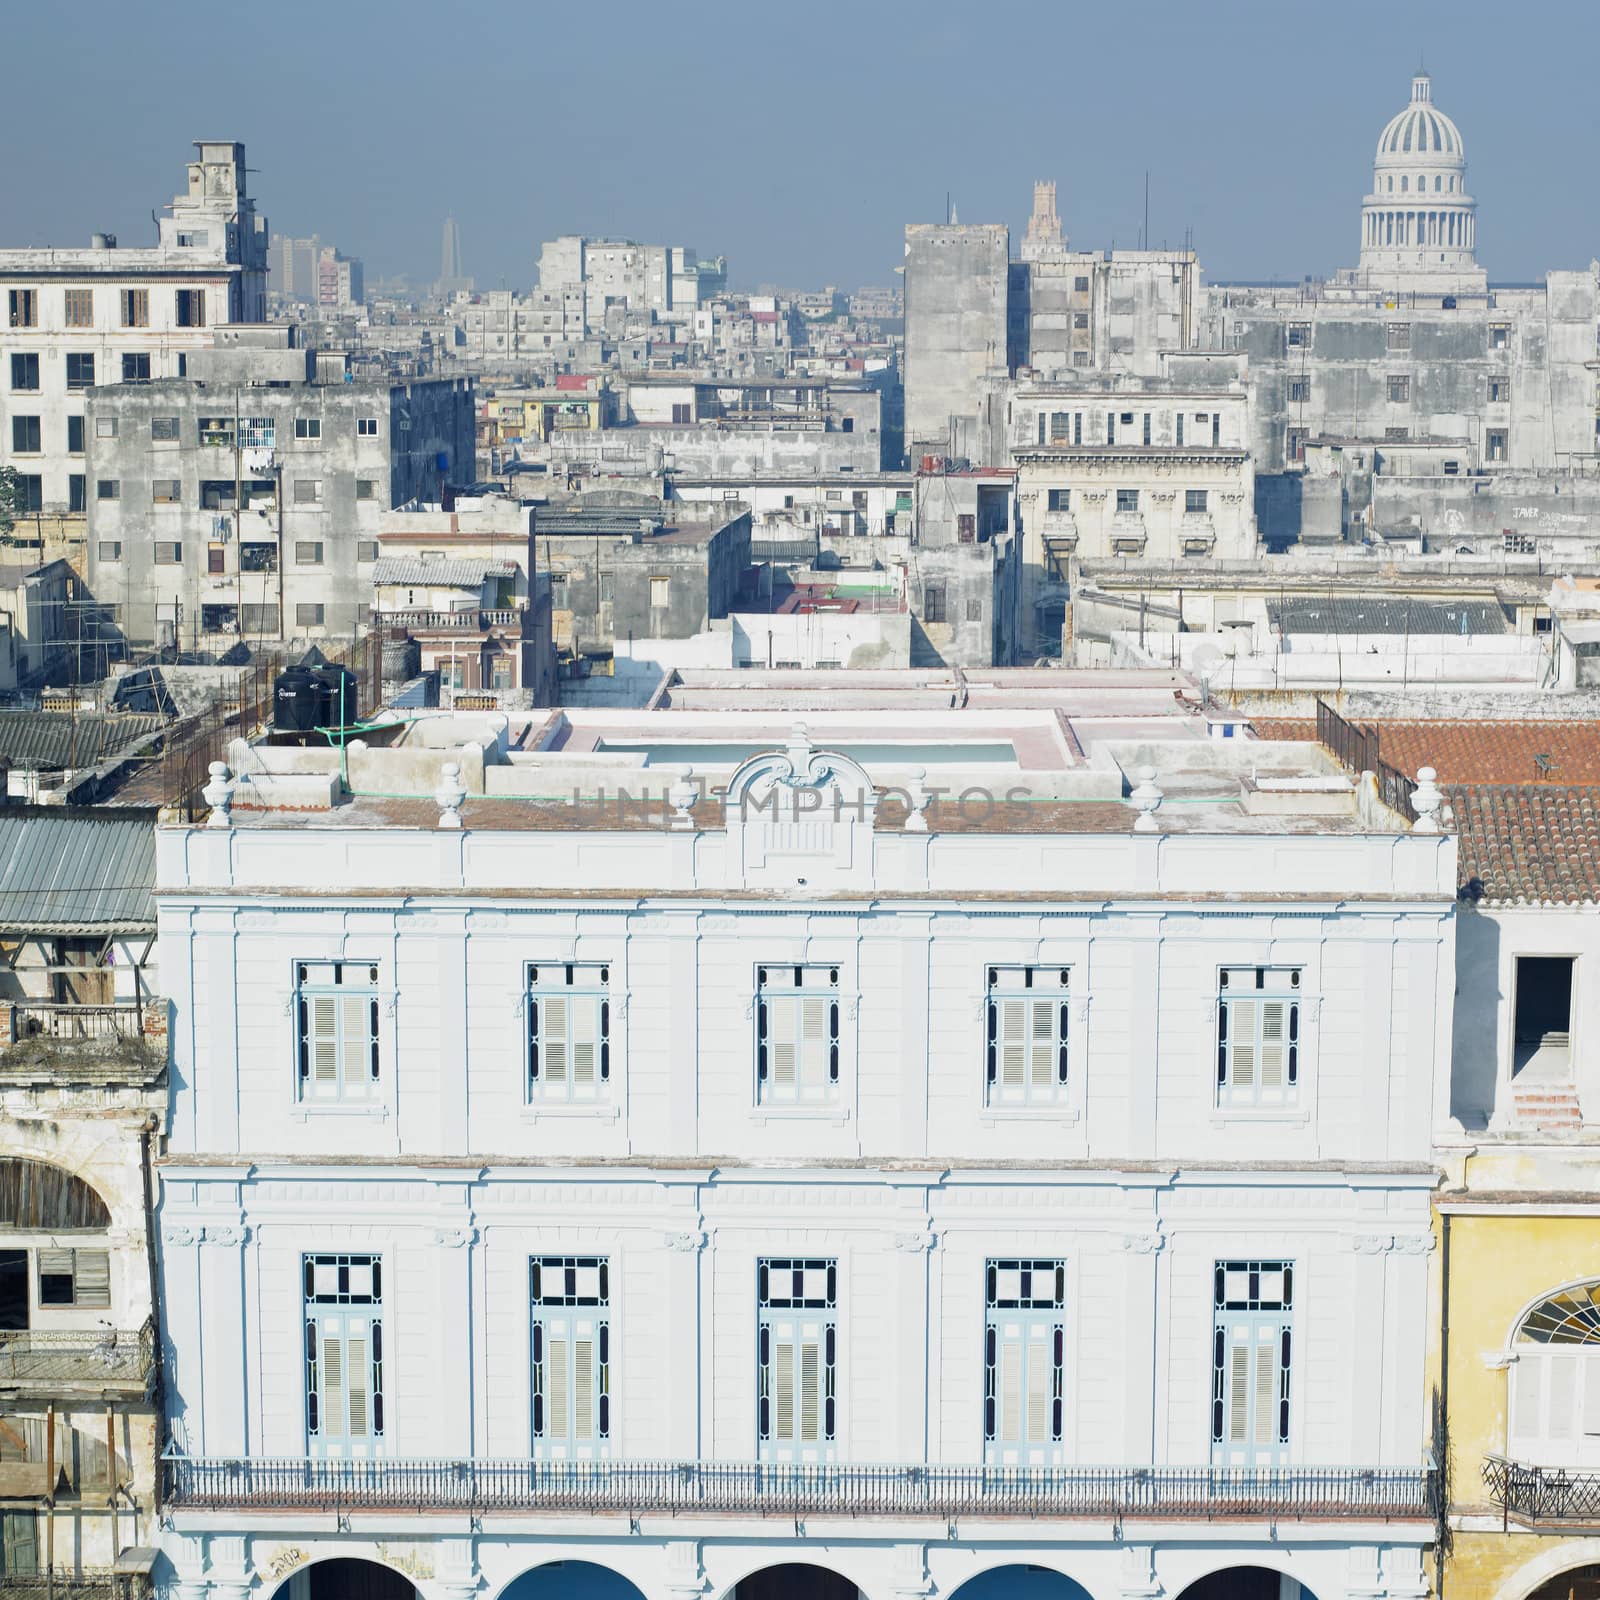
<point x="81" y="1583"/>
<point x="449" y="621"/>
<point x="45" y="1042"/>
<point x="677" y="1488"/>
<point x="1541" y="1496"/>
<point x="78" y="1362"/>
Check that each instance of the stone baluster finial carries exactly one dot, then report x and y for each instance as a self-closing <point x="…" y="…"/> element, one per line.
<point x="449" y="795"/>
<point x="218" y="794"/>
<point x="1426" y="800"/>
<point x="1147" y="798"/>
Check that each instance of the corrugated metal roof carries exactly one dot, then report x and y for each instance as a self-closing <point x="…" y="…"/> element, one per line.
<point x="450" y="574"/>
<point x="1374" y="613"/>
<point x="56" y="740"/>
<point x="78" y="871"/>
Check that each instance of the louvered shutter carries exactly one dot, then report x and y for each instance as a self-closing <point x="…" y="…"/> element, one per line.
<point x="585" y="1024"/>
<point x="92" y="1278"/>
<point x="783" y="1390"/>
<point x="814" y="1032"/>
<point x="1013" y="1015"/>
<point x="359" y="1382"/>
<point x="1242" y="1031"/>
<point x="325" y="1043"/>
<point x="810" y="1391"/>
<point x="1039" y="1386"/>
<point x="334" y="1410"/>
<point x="356" y="1039"/>
<point x="1041" y="1056"/>
<point x="558" y="1401"/>
<point x="783" y="1030"/>
<point x="1274" y="1042"/>
<point x="1011" y="1389"/>
<point x="555" y="1038"/>
<point x="583" y="1376"/>
<point x="1266" y="1395"/>
<point x="1238" y="1392"/>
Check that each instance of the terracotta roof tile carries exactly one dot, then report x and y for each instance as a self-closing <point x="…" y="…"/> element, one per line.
<point x="1528" y="842"/>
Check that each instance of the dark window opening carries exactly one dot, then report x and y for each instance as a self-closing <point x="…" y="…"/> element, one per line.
<point x="1542" y="1025"/>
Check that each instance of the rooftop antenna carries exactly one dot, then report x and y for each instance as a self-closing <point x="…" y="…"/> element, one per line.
<point x="1147" y="208"/>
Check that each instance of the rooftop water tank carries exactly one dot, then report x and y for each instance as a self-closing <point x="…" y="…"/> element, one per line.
<point x="298" y="697"/>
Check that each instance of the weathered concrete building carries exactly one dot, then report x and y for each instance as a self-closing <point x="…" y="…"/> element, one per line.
<point x="637" y="571"/>
<point x="243" y="501"/>
<point x="618" y="275"/>
<point x="1124" y="467"/>
<point x="75" y="318"/>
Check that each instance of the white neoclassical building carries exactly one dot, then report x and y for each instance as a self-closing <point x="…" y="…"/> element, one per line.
<point x="976" y="1153"/>
<point x="1419" y="218"/>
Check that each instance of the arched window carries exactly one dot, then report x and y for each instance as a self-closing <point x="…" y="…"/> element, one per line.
<point x="1438" y="183"/>
<point x="1452" y="186"/>
<point x="1391" y="185"/>
<point x="1554" y="1412"/>
<point x="1404" y="184"/>
<point x="38" y="1198"/>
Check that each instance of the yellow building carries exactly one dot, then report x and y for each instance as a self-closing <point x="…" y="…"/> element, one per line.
<point x="1519" y="1375"/>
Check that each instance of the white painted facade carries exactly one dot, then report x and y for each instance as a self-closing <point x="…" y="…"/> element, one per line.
<point x="1112" y="1153"/>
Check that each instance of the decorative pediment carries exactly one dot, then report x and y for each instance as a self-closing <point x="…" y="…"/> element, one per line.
<point x="800" y="815"/>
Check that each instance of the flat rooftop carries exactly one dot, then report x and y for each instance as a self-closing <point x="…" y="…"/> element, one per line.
<point x="1000" y="769"/>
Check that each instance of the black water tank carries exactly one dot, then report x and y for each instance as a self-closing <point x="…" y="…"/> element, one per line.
<point x="298" y="697"/>
<point x="340" y="705"/>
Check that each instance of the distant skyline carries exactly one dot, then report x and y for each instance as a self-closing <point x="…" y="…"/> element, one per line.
<point x="799" y="143"/>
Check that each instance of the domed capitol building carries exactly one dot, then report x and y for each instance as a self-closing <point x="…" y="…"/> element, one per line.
<point x="1419" y="219"/>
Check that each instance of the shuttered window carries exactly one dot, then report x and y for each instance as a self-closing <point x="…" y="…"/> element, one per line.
<point x="1555" y="1382"/>
<point x="75" y="1278"/>
<point x="1024" y="1351"/>
<point x="569" y="1031"/>
<point x="797" y="1034"/>
<point x="1025" y="1035"/>
<point x="796" y="1359"/>
<point x="1251" y="1357"/>
<point x="336" y="1007"/>
<point x="344" y="1355"/>
<point x="1258" y="1036"/>
<point x="571" y="1385"/>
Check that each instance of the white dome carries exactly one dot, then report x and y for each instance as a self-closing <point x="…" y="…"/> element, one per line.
<point x="1421" y="132"/>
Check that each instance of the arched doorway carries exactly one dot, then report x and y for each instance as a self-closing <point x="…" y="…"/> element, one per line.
<point x="795" y="1581"/>
<point x="1021" y="1582"/>
<point x="571" y="1580"/>
<point x="1247" y="1583"/>
<point x="346" y="1578"/>
<point x="1582" y="1583"/>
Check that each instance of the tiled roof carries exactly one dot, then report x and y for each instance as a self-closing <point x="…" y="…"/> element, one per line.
<point x="1524" y="838"/>
<point x="1528" y="842"/>
<point x="1465" y="750"/>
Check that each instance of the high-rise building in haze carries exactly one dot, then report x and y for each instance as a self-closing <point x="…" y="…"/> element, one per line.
<point x="451" y="276"/>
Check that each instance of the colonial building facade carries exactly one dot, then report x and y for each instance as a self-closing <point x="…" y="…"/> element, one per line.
<point x="805" y="1174"/>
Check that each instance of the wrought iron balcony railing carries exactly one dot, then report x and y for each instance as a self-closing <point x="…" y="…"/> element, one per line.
<point x="119" y="1042"/>
<point x="76" y="1583"/>
<point x="762" y="1489"/>
<point x="71" y="1360"/>
<point x="1530" y="1494"/>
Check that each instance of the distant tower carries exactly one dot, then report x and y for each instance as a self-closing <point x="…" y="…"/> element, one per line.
<point x="450" y="253"/>
<point x="1044" y="236"/>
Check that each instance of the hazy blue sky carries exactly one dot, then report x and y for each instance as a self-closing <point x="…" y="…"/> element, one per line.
<point x="799" y="139"/>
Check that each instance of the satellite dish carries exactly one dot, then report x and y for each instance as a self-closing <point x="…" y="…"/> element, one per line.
<point x="1206" y="659"/>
